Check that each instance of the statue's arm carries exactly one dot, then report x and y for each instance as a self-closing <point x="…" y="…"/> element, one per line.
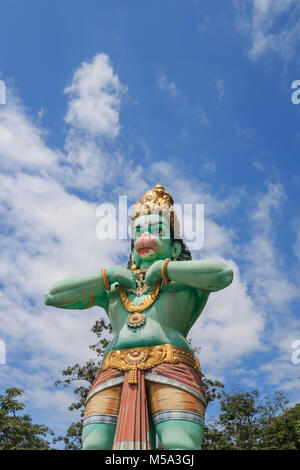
<point x="78" y="293"/>
<point x="210" y="276"/>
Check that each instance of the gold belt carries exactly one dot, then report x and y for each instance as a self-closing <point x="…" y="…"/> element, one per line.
<point x="144" y="358"/>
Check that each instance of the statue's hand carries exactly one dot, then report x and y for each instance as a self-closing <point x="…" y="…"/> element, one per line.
<point x="122" y="275"/>
<point x="154" y="273"/>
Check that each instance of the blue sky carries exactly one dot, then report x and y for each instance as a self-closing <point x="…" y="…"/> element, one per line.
<point x="111" y="98"/>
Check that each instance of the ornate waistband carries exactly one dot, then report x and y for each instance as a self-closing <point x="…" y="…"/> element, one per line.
<point x="147" y="357"/>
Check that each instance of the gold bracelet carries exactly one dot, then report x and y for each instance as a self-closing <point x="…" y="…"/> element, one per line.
<point x="105" y="279"/>
<point x="164" y="271"/>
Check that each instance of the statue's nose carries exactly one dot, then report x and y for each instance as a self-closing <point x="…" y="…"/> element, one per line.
<point x="146" y="235"/>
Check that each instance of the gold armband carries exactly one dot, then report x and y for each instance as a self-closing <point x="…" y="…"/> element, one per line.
<point x="105" y="279"/>
<point x="164" y="271"/>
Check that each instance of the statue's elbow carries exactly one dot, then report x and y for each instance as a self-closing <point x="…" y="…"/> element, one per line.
<point x="227" y="277"/>
<point x="48" y="299"/>
<point x="222" y="279"/>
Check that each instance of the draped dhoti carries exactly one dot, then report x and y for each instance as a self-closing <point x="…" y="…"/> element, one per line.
<point x="163" y="392"/>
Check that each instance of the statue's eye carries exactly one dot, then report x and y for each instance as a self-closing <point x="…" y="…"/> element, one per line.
<point x="158" y="231"/>
<point x="137" y="231"/>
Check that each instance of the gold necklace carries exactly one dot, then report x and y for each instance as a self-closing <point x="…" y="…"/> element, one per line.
<point x="146" y="303"/>
<point x="137" y="319"/>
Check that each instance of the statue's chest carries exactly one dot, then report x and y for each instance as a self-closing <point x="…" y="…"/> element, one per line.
<point x="169" y="299"/>
<point x="165" y="312"/>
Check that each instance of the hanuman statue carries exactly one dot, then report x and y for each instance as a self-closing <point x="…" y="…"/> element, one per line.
<point x="149" y="381"/>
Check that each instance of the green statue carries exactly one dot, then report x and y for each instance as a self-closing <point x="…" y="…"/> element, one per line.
<point x="149" y="382"/>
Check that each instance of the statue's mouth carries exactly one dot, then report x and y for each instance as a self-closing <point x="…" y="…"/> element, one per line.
<point x="146" y="246"/>
<point x="146" y="252"/>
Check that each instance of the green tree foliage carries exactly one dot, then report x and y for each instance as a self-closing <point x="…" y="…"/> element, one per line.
<point x="248" y="422"/>
<point x="83" y="373"/>
<point x="16" y="429"/>
<point x="283" y="431"/>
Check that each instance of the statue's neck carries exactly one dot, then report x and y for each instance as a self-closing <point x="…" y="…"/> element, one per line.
<point x="145" y="264"/>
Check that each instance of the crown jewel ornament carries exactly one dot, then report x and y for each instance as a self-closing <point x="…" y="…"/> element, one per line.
<point x="157" y="201"/>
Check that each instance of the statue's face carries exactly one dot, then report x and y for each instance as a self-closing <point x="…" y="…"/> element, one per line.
<point x="152" y="239"/>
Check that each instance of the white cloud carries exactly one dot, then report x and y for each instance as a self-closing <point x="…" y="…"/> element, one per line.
<point x="280" y="371"/>
<point x="22" y="141"/>
<point x="231" y="326"/>
<point x="265" y="271"/>
<point x="94" y="116"/>
<point x="48" y="234"/>
<point x="219" y="85"/>
<point x="203" y="116"/>
<point x="273" y="25"/>
<point x="247" y="135"/>
<point x="94" y="96"/>
<point x="165" y="85"/>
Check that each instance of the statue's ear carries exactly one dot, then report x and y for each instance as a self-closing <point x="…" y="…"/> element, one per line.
<point x="176" y="249"/>
<point x="132" y="262"/>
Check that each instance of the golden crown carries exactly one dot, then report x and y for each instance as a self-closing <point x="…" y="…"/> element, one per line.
<point x="157" y="201"/>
